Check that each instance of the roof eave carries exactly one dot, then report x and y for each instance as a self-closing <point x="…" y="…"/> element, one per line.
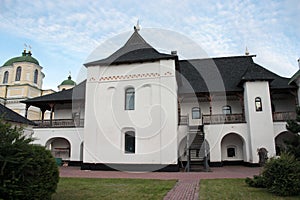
<point x="100" y="63"/>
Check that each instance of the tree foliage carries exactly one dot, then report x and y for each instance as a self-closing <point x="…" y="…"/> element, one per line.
<point x="280" y="176"/>
<point x="293" y="144"/>
<point x="27" y="171"/>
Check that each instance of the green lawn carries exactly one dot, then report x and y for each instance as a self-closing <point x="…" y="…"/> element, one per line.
<point x="90" y="188"/>
<point x="234" y="189"/>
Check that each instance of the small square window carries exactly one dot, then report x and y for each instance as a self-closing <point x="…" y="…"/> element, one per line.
<point x="231" y="152"/>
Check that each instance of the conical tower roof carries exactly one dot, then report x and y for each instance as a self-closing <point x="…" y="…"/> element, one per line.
<point x="136" y="49"/>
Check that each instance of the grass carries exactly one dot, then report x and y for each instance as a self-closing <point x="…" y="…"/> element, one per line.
<point x="234" y="189"/>
<point x="89" y="188"/>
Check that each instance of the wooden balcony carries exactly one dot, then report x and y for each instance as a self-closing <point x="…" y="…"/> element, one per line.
<point x="223" y="119"/>
<point x="283" y="116"/>
<point x="59" y="123"/>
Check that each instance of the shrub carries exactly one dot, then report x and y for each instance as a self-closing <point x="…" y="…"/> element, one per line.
<point x="257" y="181"/>
<point x="280" y="176"/>
<point x="41" y="175"/>
<point x="27" y="171"/>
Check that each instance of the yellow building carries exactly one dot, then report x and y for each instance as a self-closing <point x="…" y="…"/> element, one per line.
<point x="21" y="78"/>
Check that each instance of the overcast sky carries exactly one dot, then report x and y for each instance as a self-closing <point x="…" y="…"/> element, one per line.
<point x="63" y="34"/>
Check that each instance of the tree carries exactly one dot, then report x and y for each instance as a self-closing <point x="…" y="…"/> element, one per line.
<point x="27" y="171"/>
<point x="293" y="144"/>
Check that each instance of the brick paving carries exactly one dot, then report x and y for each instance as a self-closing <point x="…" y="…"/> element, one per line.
<point x="187" y="186"/>
<point x="184" y="189"/>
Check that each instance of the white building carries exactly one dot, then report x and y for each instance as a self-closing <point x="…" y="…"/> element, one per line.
<point x="144" y="110"/>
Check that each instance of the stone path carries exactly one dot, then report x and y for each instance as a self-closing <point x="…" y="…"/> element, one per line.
<point x="187" y="186"/>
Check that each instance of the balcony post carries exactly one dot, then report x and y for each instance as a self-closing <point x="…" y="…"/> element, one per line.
<point x="51" y="114"/>
<point x="26" y="110"/>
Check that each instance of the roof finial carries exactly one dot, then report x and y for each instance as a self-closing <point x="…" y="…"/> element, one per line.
<point x="137" y="26"/>
<point x="247" y="52"/>
<point x="69" y="77"/>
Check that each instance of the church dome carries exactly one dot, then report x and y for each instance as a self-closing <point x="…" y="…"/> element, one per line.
<point x="26" y="57"/>
<point x="69" y="81"/>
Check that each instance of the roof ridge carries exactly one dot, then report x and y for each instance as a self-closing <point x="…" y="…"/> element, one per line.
<point x="136" y="39"/>
<point x="223" y="57"/>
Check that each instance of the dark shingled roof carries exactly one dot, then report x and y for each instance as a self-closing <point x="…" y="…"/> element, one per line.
<point x="206" y="75"/>
<point x="9" y="115"/>
<point x="135" y="50"/>
<point x="64" y="96"/>
<point x="294" y="77"/>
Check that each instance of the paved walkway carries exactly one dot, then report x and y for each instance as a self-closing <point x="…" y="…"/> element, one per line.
<point x="184" y="189"/>
<point x="187" y="186"/>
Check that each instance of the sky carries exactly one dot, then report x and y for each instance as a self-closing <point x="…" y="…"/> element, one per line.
<point x="63" y="34"/>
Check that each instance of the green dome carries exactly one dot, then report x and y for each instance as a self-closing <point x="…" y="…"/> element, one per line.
<point x="69" y="81"/>
<point x="26" y="57"/>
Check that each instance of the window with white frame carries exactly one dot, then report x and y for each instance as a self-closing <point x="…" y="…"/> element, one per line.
<point x="231" y="151"/>
<point x="129" y="142"/>
<point x="196" y="114"/>
<point x="5" y="77"/>
<point x="226" y="110"/>
<point x="35" y="78"/>
<point x="18" y="74"/>
<point x="258" y="104"/>
<point x="129" y="99"/>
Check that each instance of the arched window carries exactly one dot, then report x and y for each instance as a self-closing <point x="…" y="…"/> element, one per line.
<point x="18" y="74"/>
<point x="5" y="77"/>
<point x="258" y="104"/>
<point x="226" y="110"/>
<point x="129" y="99"/>
<point x="196" y="113"/>
<point x="130" y="142"/>
<point x="35" y="78"/>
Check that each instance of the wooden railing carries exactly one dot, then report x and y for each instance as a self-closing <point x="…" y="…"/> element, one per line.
<point x="283" y="116"/>
<point x="59" y="123"/>
<point x="221" y="118"/>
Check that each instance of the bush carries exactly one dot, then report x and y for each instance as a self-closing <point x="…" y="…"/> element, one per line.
<point x="27" y="171"/>
<point x="41" y="175"/>
<point x="280" y="176"/>
<point x="257" y="181"/>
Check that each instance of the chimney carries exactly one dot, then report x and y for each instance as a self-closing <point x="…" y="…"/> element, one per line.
<point x="174" y="53"/>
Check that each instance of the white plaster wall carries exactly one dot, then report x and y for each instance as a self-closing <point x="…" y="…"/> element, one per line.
<point x="154" y="119"/>
<point x="63" y="111"/>
<point x="215" y="133"/>
<point x="73" y="135"/>
<point x="186" y="109"/>
<point x="260" y="124"/>
<point x="279" y="127"/>
<point x="182" y="132"/>
<point x="235" y="141"/>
